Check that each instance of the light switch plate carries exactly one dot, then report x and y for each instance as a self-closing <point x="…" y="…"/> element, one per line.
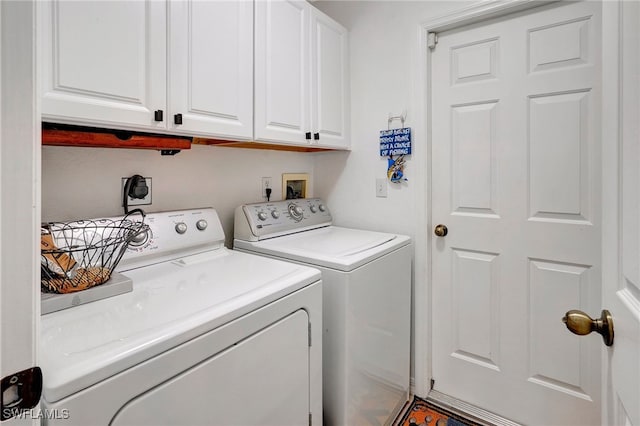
<point x="381" y="187"/>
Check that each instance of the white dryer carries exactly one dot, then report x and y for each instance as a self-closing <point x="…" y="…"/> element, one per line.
<point x="207" y="336"/>
<point x="366" y="302"/>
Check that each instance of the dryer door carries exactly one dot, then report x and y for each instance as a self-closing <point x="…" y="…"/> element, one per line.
<point x="263" y="379"/>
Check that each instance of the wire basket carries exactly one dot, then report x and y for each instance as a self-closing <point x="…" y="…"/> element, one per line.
<point x="75" y="256"/>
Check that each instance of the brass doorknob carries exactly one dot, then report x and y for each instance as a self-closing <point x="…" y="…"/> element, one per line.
<point x="582" y="324"/>
<point x="441" y="230"/>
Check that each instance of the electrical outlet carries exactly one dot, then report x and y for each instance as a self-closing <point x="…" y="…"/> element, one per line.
<point x="136" y="201"/>
<point x="381" y="187"/>
<point x="266" y="183"/>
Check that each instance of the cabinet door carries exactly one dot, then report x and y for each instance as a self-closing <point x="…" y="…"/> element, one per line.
<point x="282" y="71"/>
<point x="330" y="82"/>
<point x="104" y="62"/>
<point x="211" y="67"/>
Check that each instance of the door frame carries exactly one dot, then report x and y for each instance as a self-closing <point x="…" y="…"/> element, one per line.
<point x="614" y="75"/>
<point x="20" y="177"/>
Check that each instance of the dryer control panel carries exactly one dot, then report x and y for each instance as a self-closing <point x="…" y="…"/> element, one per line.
<point x="254" y="222"/>
<point x="172" y="235"/>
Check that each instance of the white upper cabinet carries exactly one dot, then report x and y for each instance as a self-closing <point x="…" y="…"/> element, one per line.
<point x="330" y="82"/>
<point x="211" y="68"/>
<point x="103" y="62"/>
<point x="216" y="69"/>
<point x="301" y="76"/>
<point x="282" y="108"/>
<point x="150" y="65"/>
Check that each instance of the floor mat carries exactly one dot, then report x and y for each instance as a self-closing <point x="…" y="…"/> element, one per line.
<point x="421" y="413"/>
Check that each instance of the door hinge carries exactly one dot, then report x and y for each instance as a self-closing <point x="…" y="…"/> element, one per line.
<point x="309" y="334"/>
<point x="310" y="419"/>
<point x="20" y="392"/>
<point x="432" y="40"/>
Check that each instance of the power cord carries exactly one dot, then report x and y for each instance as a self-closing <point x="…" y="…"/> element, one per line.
<point x="268" y="192"/>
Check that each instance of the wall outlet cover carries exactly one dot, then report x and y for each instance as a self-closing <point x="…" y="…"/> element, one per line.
<point x="136" y="201"/>
<point x="264" y="184"/>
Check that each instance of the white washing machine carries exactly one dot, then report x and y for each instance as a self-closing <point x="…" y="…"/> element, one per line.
<point x="208" y="336"/>
<point x="366" y="302"/>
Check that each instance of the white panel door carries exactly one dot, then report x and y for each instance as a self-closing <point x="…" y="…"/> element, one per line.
<point x="516" y="179"/>
<point x="211" y="68"/>
<point x="621" y="212"/>
<point x="261" y="380"/>
<point x="330" y="82"/>
<point x="103" y="62"/>
<point x="282" y="71"/>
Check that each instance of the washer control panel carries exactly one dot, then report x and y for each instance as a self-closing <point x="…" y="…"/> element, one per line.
<point x="266" y="220"/>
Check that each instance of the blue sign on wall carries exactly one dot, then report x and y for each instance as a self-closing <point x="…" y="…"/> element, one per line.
<point x="395" y="142"/>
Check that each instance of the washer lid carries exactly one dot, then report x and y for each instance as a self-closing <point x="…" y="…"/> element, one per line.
<point x="171" y="303"/>
<point x="344" y="249"/>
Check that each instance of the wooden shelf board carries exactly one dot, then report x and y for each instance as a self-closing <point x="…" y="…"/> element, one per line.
<point x="55" y="137"/>
<point x="109" y="139"/>
<point x="257" y="145"/>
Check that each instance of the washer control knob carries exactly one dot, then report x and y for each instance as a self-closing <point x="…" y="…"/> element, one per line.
<point x="181" y="227"/>
<point x="201" y="225"/>
<point x="275" y="214"/>
<point x="295" y="212"/>
<point x="322" y="207"/>
<point x="262" y="216"/>
<point x="313" y="208"/>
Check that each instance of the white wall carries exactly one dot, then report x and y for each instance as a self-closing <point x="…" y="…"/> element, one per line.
<point x="80" y="183"/>
<point x="384" y="78"/>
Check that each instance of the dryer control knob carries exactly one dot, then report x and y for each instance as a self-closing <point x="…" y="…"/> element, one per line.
<point x="298" y="210"/>
<point x="201" y="224"/>
<point x="275" y="214"/>
<point x="313" y="209"/>
<point x="139" y="239"/>
<point x="262" y="216"/>
<point x="181" y="227"/>
<point x="322" y="207"/>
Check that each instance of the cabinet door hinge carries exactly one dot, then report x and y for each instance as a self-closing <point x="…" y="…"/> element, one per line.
<point x="432" y="40"/>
